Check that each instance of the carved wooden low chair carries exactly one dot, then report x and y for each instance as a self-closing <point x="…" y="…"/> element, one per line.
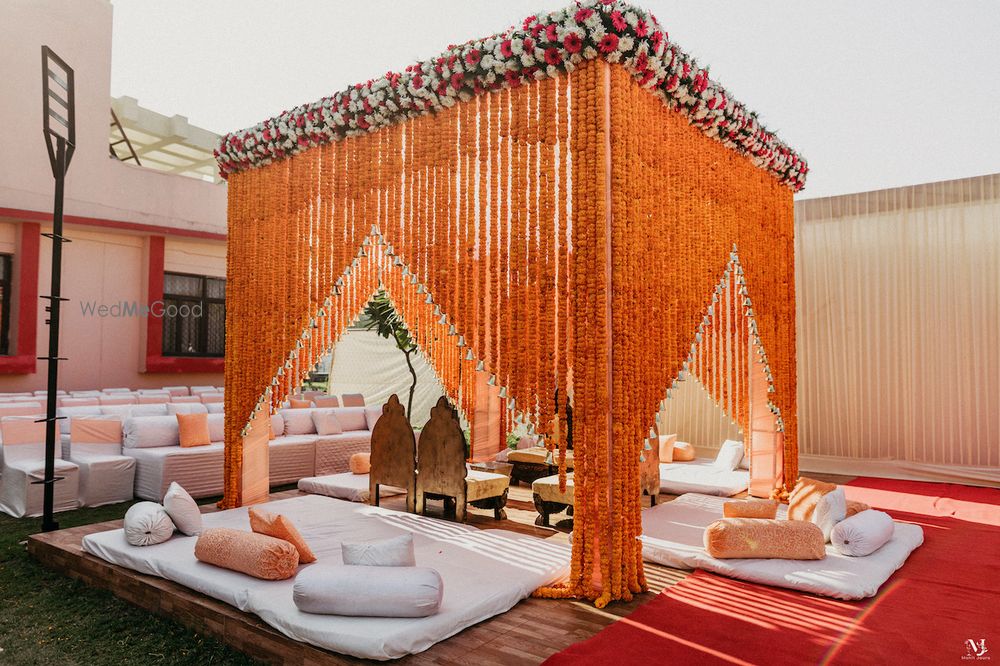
<point x="393" y="454"/>
<point x="441" y="459"/>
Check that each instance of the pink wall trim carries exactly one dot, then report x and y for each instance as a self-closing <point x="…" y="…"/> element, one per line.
<point x="22" y="362"/>
<point x="38" y="216"/>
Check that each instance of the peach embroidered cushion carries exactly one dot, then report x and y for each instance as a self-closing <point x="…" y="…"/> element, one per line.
<point x="256" y="555"/>
<point x="854" y="506"/>
<point x="804" y="497"/>
<point x="192" y="429"/>
<point x="360" y="463"/>
<point x="750" y="508"/>
<point x="667" y="443"/>
<point x="298" y="404"/>
<point x="760" y="538"/>
<point x="279" y="527"/>
<point x="683" y="452"/>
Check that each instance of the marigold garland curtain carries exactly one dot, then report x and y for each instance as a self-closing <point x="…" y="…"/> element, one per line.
<point x="567" y="236"/>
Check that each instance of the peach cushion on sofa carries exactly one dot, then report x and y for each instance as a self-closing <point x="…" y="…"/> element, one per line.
<point x="360" y="463"/>
<point x="326" y="401"/>
<point x="683" y="452"/>
<point x="185" y="399"/>
<point x="279" y="527"/>
<point x="804" y="496"/>
<point x="854" y="506"/>
<point x="254" y="554"/>
<point x="192" y="429"/>
<point x="750" y="508"/>
<point x="667" y="443"/>
<point x="759" y="538"/>
<point x="298" y="404"/>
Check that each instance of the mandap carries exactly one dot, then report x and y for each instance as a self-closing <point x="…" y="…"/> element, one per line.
<point x="571" y="208"/>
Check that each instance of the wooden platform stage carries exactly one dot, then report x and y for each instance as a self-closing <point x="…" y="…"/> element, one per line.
<point x="527" y="634"/>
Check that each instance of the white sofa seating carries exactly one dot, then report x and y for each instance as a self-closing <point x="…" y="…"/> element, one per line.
<point x="24" y="464"/>
<point x="106" y="476"/>
<point x="332" y="451"/>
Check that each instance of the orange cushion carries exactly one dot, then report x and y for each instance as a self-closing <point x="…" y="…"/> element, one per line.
<point x="360" y="463"/>
<point x="750" y="508"/>
<point x="193" y="429"/>
<point x="804" y="496"/>
<point x="298" y="404"/>
<point x="755" y="537"/>
<point x="683" y="452"/>
<point x="667" y="443"/>
<point x="256" y="555"/>
<point x="279" y="527"/>
<point x="854" y="506"/>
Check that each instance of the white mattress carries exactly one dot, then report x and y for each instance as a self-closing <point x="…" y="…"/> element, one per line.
<point x="701" y="476"/>
<point x="197" y="468"/>
<point x="345" y="486"/>
<point x="673" y="535"/>
<point x="485" y="572"/>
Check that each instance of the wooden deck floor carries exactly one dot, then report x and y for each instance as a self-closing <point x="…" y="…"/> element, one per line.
<point x="527" y="634"/>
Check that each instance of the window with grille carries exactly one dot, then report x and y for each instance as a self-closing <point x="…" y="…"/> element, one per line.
<point x="194" y="315"/>
<point x="6" y="264"/>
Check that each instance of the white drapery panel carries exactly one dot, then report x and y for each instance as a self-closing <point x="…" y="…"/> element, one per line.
<point x="898" y="297"/>
<point x="365" y="363"/>
<point x="697" y="418"/>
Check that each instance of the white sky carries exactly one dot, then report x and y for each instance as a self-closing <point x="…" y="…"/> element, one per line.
<point x="874" y="94"/>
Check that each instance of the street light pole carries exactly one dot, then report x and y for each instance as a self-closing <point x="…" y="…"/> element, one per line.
<point x="59" y="129"/>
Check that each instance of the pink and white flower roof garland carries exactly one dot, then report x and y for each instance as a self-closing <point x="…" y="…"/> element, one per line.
<point x="543" y="46"/>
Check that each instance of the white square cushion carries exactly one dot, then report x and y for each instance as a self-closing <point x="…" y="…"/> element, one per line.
<point x="299" y="422"/>
<point x="125" y="411"/>
<point x="182" y="509"/>
<point x="216" y="427"/>
<point x="351" y="418"/>
<point x="729" y="456"/>
<point x="215" y="407"/>
<point x="372" y="414"/>
<point x="277" y="425"/>
<point x="830" y="510"/>
<point x="145" y="432"/>
<point x="186" y="408"/>
<point x="326" y="421"/>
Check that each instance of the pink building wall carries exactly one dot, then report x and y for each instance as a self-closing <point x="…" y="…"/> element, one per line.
<point x="113" y="210"/>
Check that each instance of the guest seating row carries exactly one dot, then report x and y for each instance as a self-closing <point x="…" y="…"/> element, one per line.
<point x="112" y="453"/>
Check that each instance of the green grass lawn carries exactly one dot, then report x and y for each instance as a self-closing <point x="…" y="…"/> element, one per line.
<point x="47" y="618"/>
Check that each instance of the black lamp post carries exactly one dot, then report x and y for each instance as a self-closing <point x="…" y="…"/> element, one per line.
<point x="59" y="129"/>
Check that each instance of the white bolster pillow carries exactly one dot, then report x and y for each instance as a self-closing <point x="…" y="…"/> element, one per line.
<point x="368" y="591"/>
<point x="863" y="533"/>
<point x="147" y="524"/>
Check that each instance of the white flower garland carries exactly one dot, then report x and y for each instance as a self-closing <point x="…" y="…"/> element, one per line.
<point x="544" y="46"/>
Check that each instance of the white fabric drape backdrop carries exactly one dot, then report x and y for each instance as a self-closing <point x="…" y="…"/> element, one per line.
<point x="899" y="331"/>
<point x="368" y="364"/>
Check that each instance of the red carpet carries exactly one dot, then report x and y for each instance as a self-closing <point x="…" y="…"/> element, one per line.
<point x="947" y="593"/>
